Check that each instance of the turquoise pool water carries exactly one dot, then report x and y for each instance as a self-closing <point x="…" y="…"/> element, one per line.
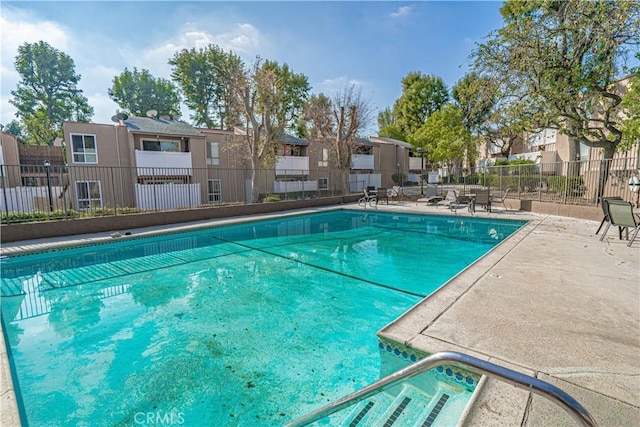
<point x="252" y="324"/>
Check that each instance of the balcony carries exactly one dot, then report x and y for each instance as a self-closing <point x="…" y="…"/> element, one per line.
<point x="292" y="165"/>
<point x="362" y="161"/>
<point x="294" y="186"/>
<point x="163" y="163"/>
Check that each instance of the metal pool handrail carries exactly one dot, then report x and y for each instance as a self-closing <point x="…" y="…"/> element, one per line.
<point x="461" y="360"/>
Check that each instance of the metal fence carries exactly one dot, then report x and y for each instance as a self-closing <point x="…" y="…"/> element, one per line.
<point x="46" y="192"/>
<point x="40" y="193"/>
<point x="576" y="183"/>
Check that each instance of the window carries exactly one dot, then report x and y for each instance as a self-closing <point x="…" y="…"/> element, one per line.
<point x="584" y="152"/>
<point x="151" y="145"/>
<point x="84" y="148"/>
<point x="215" y="191"/>
<point x="289" y="150"/>
<point x="213" y="154"/>
<point x="88" y="194"/>
<point x="324" y="158"/>
<point x="323" y="183"/>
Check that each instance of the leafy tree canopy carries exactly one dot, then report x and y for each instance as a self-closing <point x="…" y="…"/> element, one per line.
<point x="562" y="59"/>
<point x="422" y="95"/>
<point x="631" y="103"/>
<point x="477" y="96"/>
<point x="388" y="127"/>
<point x="14" y="128"/>
<point x="197" y="72"/>
<point x="445" y="136"/>
<point x="47" y="92"/>
<point x="137" y="92"/>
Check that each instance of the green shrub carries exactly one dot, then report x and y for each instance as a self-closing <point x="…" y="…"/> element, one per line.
<point x="271" y="198"/>
<point x="398" y="178"/>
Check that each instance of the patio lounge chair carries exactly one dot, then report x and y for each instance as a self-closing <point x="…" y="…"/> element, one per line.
<point x="383" y="194"/>
<point x="501" y="200"/>
<point x="621" y="214"/>
<point x="431" y="195"/>
<point x="605" y="213"/>
<point x="481" y="198"/>
<point x="454" y="201"/>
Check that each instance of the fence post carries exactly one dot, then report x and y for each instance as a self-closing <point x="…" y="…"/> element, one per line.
<point x="113" y="193"/>
<point x="4" y="193"/>
<point x="155" y="196"/>
<point x="63" y="195"/>
<point x="566" y="182"/>
<point x="540" y="183"/>
<point x="189" y="190"/>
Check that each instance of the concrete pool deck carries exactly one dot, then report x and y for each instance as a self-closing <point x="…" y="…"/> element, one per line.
<point x="552" y="302"/>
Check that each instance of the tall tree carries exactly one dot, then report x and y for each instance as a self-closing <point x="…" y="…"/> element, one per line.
<point x="505" y="124"/>
<point x="14" y="128"/>
<point x="268" y="98"/>
<point x="203" y="89"/>
<point x="446" y="138"/>
<point x="137" y="92"/>
<point x="562" y="58"/>
<point x="631" y="104"/>
<point x="477" y="97"/>
<point x="47" y="93"/>
<point x="388" y="127"/>
<point x="422" y="95"/>
<point x="339" y="121"/>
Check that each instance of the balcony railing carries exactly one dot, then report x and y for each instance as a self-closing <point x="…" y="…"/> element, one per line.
<point x="178" y="163"/>
<point x="362" y="161"/>
<point x="292" y="165"/>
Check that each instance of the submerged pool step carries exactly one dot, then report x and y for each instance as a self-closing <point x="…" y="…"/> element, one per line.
<point x="411" y="407"/>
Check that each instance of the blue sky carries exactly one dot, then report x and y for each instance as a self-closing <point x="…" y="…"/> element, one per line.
<point x="335" y="44"/>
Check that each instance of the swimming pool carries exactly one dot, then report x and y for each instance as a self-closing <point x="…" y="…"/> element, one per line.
<point x="250" y="324"/>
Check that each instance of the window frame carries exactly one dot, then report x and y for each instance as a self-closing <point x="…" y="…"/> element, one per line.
<point x="91" y="199"/>
<point x="212" y="195"/>
<point x="83" y="153"/>
<point x="326" y="181"/>
<point x="160" y="143"/>
<point x="323" y="158"/>
<point x="211" y="159"/>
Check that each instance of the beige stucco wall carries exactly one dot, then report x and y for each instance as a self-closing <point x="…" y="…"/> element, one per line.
<point x="9" y="144"/>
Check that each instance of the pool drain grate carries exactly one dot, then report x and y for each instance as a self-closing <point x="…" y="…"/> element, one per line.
<point x="436" y="410"/>
<point x="361" y="415"/>
<point x="392" y="419"/>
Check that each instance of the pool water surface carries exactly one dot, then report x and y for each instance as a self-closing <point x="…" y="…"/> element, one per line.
<point x="251" y="324"/>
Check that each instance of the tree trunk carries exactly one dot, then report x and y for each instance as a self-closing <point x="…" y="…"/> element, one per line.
<point x="255" y="189"/>
<point x="605" y="164"/>
<point x="574" y="157"/>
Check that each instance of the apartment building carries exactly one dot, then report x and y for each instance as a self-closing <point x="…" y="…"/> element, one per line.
<point x="150" y="162"/>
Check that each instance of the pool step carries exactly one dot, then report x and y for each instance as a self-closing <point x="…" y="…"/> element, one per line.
<point x="411" y="407"/>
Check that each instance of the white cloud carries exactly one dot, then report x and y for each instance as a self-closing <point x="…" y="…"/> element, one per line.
<point x="335" y="85"/>
<point x="402" y="11"/>
<point x="103" y="107"/>
<point x="243" y="39"/>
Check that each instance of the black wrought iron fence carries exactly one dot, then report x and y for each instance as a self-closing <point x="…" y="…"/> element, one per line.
<point x="40" y="193"/>
<point x="46" y="192"/>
